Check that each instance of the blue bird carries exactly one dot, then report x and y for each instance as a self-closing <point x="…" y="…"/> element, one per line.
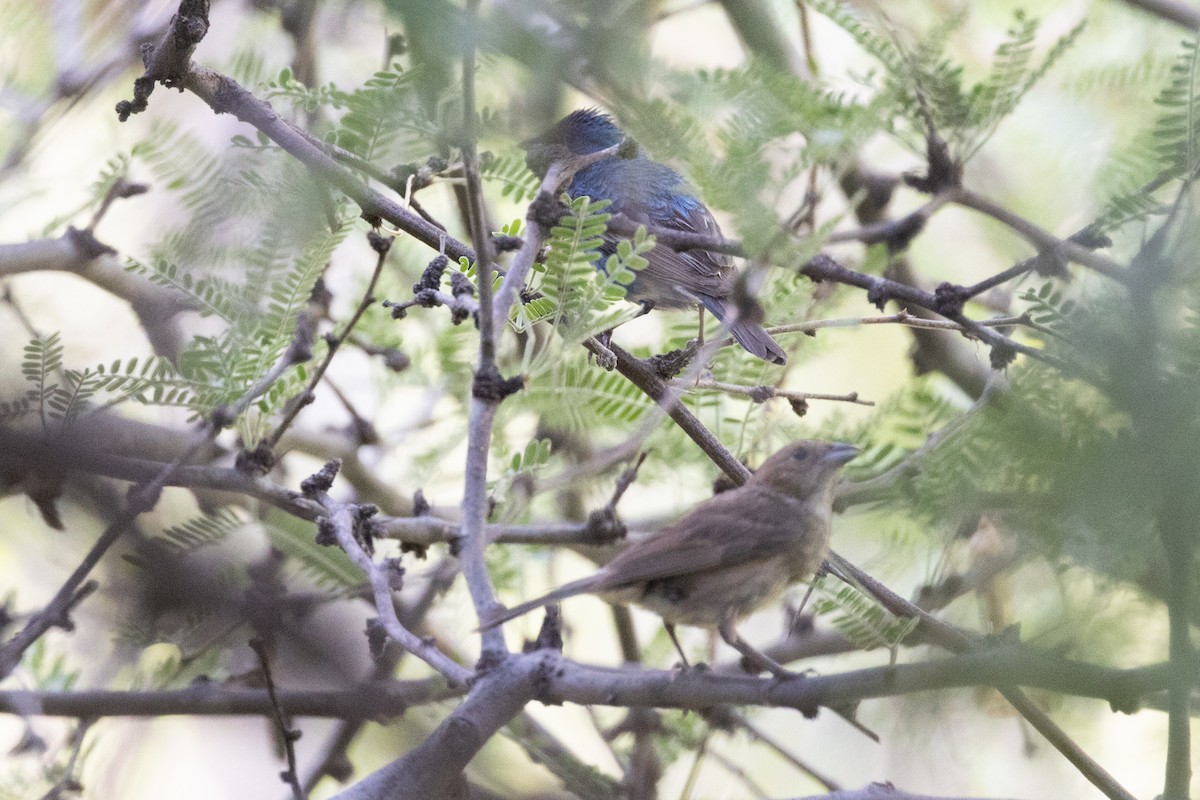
<point x="657" y="196"/>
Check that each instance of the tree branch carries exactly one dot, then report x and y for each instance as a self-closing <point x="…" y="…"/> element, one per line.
<point x="344" y="520"/>
<point x="379" y="701"/>
<point x="1180" y="13"/>
<point x="170" y="62"/>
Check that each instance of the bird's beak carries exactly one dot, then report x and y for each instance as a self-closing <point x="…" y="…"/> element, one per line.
<point x="840" y="453"/>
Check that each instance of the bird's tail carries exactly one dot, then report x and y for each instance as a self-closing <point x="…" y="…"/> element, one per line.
<point x="750" y="335"/>
<point x="575" y="587"/>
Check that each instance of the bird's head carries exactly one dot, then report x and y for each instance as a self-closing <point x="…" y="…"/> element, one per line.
<point x="584" y="131"/>
<point x="806" y="468"/>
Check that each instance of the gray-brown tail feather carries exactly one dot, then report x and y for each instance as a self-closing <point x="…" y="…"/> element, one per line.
<point x="756" y="341"/>
<point x="575" y="587"/>
<point x="750" y="335"/>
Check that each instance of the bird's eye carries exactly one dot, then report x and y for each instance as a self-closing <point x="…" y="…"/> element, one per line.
<point x="800" y="455"/>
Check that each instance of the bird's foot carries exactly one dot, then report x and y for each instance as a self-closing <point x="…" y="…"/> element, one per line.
<point x="685" y="668"/>
<point x="777" y="670"/>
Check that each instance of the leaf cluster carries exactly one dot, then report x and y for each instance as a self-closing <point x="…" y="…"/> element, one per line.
<point x="927" y="93"/>
<point x="860" y="619"/>
<point x="1142" y="179"/>
<point x="60" y="395"/>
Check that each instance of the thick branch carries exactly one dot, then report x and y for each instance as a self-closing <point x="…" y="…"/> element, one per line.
<point x="1171" y="10"/>
<point x="643" y="376"/>
<point x="80" y="253"/>
<point x="562" y="680"/>
<point x="378" y="701"/>
<point x="435" y="767"/>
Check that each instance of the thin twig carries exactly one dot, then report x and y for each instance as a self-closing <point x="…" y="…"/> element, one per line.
<point x="642" y="375"/>
<point x="770" y="741"/>
<point x="381" y="247"/>
<point x="332" y="759"/>
<point x="732" y="767"/>
<point x="901" y="317"/>
<point x="287" y="736"/>
<point x="762" y="393"/>
<point x="1040" y="238"/>
<point x="891" y="230"/>
<point x="67" y="784"/>
<point x="167" y="62"/>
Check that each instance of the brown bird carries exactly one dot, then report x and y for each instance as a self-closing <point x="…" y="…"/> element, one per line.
<point x="730" y="555"/>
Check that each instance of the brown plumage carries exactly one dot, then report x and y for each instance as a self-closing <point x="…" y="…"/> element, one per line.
<point x="731" y="554"/>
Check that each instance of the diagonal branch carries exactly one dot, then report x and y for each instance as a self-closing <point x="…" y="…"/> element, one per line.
<point x="169" y="62"/>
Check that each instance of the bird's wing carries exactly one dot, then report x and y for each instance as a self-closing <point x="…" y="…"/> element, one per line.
<point x="733" y="528"/>
<point x="654" y="195"/>
<point x="691" y="274"/>
<point x="692" y="216"/>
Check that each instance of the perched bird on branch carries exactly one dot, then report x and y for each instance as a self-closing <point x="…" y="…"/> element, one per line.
<point x="730" y="555"/>
<point x="652" y="194"/>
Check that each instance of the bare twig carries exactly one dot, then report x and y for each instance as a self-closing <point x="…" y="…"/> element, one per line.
<point x="760" y="394"/>
<point x="343" y="520"/>
<point x="381" y="247"/>
<point x="488" y="388"/>
<point x="880" y="290"/>
<point x="901" y="317"/>
<point x="1044" y="241"/>
<point x="169" y="62"/>
<point x="898" y="230"/>
<point x="734" y="769"/>
<point x="332" y="759"/>
<point x="68" y="784"/>
<point x="287" y="735"/>
<point x="377" y="700"/>
<point x="642" y="375"/>
<point x="757" y="732"/>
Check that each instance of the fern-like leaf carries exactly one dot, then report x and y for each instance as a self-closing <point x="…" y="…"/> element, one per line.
<point x="201" y="531"/>
<point x="865" y="623"/>
<point x="1167" y="154"/>
<point x="43" y="358"/>
<point x="515" y="179"/>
